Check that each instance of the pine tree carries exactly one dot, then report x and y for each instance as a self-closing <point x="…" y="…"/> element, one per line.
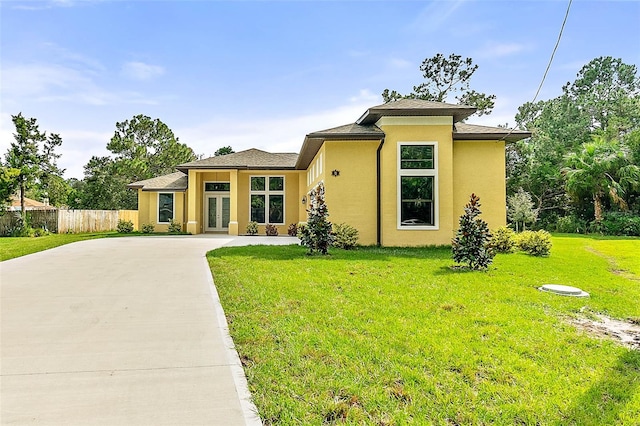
<point x="316" y="234"/>
<point x="471" y="244"/>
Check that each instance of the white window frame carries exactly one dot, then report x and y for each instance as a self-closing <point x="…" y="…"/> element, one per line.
<point x="266" y="193"/>
<point x="173" y="207"/>
<point x="418" y="172"/>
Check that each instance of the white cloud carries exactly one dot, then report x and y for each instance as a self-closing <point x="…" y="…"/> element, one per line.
<point x="398" y="63"/>
<point x="45" y="82"/>
<point x="499" y="50"/>
<point x="435" y="16"/>
<point x="141" y="71"/>
<point x="271" y="134"/>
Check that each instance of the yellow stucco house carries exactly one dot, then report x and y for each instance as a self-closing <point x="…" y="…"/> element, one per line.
<point x="401" y="174"/>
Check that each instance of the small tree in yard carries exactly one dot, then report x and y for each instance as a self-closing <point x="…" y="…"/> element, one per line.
<point x="316" y="234"/>
<point x="520" y="209"/>
<point x="471" y="244"/>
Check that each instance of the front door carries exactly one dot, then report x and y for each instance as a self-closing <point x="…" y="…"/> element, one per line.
<point x="217" y="209"/>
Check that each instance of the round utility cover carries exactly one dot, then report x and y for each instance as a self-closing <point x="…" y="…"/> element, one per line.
<point x="564" y="290"/>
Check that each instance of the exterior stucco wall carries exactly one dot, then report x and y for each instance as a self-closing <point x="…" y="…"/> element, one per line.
<point x="148" y="209"/>
<point x="479" y="167"/>
<point x="417" y="129"/>
<point x="351" y="196"/>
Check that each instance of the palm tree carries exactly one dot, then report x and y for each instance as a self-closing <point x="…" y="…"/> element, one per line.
<point x="602" y="168"/>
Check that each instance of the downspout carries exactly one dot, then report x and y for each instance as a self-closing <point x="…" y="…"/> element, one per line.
<point x="378" y="202"/>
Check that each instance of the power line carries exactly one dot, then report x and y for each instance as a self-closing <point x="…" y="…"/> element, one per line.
<point x="544" y="77"/>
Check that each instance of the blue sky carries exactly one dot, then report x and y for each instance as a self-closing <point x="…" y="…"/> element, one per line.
<point x="263" y="74"/>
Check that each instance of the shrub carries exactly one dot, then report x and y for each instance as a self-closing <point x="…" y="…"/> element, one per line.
<point x="271" y="230"/>
<point x="503" y="240"/>
<point x="619" y="223"/>
<point x="148" y="228"/>
<point x="175" y="227"/>
<point x="252" y="228"/>
<point x="535" y="243"/>
<point x="40" y="232"/>
<point x="316" y="235"/>
<point x="292" y="231"/>
<point x="301" y="229"/>
<point x="125" y="226"/>
<point x="344" y="236"/>
<point x="571" y="224"/>
<point x="472" y="243"/>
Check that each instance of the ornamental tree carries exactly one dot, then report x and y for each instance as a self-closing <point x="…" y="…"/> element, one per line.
<point x="316" y="234"/>
<point x="472" y="243"/>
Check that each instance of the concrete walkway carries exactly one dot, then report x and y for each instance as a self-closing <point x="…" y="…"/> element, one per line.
<point x="120" y="331"/>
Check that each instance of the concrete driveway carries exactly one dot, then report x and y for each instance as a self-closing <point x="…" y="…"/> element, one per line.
<point x="120" y="331"/>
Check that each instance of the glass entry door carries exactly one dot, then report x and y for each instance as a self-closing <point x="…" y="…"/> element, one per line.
<point x="217" y="212"/>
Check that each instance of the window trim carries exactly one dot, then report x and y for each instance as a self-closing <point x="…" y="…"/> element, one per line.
<point x="173" y="207"/>
<point x="416" y="173"/>
<point x="266" y="192"/>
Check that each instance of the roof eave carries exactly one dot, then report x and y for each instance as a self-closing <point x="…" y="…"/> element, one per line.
<point x="513" y="137"/>
<point x="458" y="114"/>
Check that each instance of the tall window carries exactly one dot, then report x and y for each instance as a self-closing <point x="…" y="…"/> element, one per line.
<point x="417" y="185"/>
<point x="267" y="199"/>
<point x="165" y="207"/>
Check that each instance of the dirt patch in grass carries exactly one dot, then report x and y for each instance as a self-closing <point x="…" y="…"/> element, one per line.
<point x="626" y="332"/>
<point x="613" y="266"/>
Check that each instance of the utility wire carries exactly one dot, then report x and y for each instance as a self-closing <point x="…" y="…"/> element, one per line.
<point x="566" y="15"/>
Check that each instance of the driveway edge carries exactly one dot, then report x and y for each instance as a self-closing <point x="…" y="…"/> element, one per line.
<point x="249" y="410"/>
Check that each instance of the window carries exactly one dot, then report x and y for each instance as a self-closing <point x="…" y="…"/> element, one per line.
<point x="267" y="199"/>
<point x="165" y="207"/>
<point x="417" y="186"/>
<point x="217" y="186"/>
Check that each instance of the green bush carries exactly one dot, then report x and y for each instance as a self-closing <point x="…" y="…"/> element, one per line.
<point x="271" y="230"/>
<point x="252" y="228"/>
<point x="300" y="229"/>
<point x="571" y="224"/>
<point x="292" y="231"/>
<point x="503" y="240"/>
<point x="148" y="228"/>
<point x="40" y="232"/>
<point x="344" y="236"/>
<point x="125" y="226"/>
<point x="535" y="243"/>
<point x="175" y="227"/>
<point x="619" y="223"/>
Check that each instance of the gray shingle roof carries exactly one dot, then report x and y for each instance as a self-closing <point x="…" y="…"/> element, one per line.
<point x="350" y="131"/>
<point x="249" y="159"/>
<point x="416" y="107"/>
<point x="465" y="131"/>
<point x="174" y="181"/>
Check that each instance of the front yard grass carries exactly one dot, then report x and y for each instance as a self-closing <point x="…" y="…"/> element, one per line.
<point x="11" y="247"/>
<point x="386" y="336"/>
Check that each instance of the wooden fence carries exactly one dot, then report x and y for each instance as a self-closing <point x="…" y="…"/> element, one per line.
<point x="72" y="221"/>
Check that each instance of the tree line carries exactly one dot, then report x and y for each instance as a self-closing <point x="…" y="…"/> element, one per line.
<point x="141" y="148"/>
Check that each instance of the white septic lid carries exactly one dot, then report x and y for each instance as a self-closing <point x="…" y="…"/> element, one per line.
<point x="564" y="290"/>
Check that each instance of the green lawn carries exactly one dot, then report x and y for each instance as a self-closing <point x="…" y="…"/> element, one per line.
<point x="395" y="336"/>
<point x="11" y="247"/>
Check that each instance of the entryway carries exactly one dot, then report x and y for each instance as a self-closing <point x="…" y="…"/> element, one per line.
<point x="217" y="211"/>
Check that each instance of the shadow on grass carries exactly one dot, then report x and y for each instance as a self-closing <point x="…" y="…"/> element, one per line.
<point x="603" y="402"/>
<point x="294" y="251"/>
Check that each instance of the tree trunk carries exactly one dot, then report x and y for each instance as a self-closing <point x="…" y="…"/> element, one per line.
<point x="23" y="212"/>
<point x="597" y="208"/>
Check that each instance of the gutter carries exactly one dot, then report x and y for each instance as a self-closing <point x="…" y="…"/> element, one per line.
<point x="378" y="190"/>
